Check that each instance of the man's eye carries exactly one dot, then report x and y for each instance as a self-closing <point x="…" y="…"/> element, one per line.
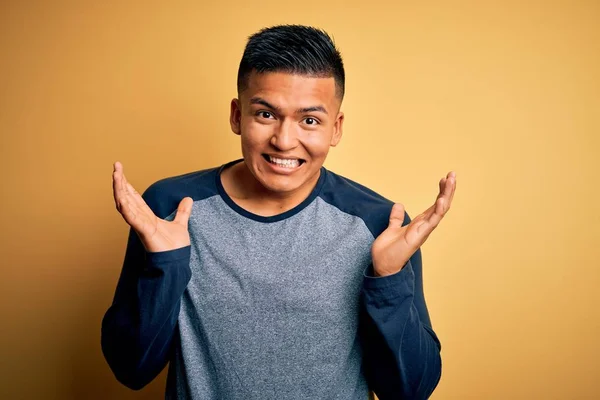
<point x="265" y="114"/>
<point x="311" y="121"/>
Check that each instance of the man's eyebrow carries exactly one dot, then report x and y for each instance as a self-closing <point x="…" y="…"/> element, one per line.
<point x="261" y="101"/>
<point x="258" y="100"/>
<point x="311" y="109"/>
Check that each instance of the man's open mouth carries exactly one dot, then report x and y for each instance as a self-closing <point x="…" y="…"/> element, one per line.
<point x="284" y="162"/>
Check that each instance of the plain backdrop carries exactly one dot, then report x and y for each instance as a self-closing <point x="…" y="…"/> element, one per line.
<point x="507" y="94"/>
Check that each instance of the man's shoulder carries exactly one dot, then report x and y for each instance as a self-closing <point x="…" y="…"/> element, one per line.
<point x="358" y="200"/>
<point x="356" y="191"/>
<point x="164" y="195"/>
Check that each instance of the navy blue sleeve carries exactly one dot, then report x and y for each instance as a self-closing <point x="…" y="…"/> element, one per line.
<point x="138" y="328"/>
<point x="401" y="350"/>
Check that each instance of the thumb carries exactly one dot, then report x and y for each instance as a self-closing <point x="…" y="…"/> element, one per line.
<point x="397" y="216"/>
<point x="183" y="211"/>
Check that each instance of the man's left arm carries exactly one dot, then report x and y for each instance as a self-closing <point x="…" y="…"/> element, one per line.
<point x="401" y="351"/>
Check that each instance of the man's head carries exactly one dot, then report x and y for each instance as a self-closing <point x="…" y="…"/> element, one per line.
<point x="290" y="89"/>
<point x="294" y="49"/>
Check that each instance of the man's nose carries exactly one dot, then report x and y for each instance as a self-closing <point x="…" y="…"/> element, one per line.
<point x="285" y="136"/>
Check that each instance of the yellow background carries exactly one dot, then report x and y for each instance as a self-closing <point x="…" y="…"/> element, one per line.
<point x="505" y="94"/>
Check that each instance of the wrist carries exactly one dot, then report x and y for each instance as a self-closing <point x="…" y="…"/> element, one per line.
<point x="380" y="271"/>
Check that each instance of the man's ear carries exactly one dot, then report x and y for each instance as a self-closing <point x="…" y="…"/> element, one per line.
<point x="337" y="130"/>
<point x="235" y="116"/>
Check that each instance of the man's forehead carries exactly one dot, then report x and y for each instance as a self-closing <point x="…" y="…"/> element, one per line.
<point x="290" y="86"/>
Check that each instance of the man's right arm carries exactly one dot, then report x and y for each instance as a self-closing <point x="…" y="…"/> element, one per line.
<point x="138" y="328"/>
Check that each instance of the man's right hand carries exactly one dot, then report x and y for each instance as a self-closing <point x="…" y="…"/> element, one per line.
<point x="156" y="234"/>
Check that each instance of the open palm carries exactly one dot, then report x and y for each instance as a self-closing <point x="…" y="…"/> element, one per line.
<point x="156" y="234"/>
<point x="393" y="248"/>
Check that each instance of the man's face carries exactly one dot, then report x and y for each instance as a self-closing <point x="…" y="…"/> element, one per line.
<point x="287" y="124"/>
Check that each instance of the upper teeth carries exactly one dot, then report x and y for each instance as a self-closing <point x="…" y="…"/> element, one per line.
<point x="284" y="162"/>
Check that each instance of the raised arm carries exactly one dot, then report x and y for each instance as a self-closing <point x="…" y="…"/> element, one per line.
<point x="138" y="328"/>
<point x="401" y="350"/>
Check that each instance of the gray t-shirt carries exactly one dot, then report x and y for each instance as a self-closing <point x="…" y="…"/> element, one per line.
<point x="270" y="307"/>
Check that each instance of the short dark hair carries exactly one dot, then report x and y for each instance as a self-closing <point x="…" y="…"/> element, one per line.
<point x="295" y="49"/>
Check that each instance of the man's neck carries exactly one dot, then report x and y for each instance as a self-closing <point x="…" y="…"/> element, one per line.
<point x="247" y="192"/>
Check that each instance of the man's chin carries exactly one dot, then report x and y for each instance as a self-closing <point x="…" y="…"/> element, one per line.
<point x="284" y="185"/>
<point x="280" y="188"/>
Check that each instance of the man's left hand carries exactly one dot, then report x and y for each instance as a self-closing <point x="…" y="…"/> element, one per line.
<point x="394" y="247"/>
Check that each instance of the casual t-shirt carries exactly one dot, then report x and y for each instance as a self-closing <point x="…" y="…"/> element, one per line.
<point x="281" y="307"/>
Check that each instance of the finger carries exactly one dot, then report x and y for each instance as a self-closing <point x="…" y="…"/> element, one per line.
<point x="139" y="203"/>
<point x="127" y="190"/>
<point x="442" y="185"/>
<point x="117" y="184"/>
<point x="123" y="182"/>
<point x="120" y="181"/>
<point x="131" y="190"/>
<point x="123" y="199"/>
<point x="424" y="229"/>
<point x="129" y="211"/>
<point x="134" y="197"/>
<point x="447" y="185"/>
<point x="397" y="215"/>
<point x="134" y="209"/>
<point x="448" y="190"/>
<point x="453" y="180"/>
<point x="124" y="195"/>
<point x="425" y="215"/>
<point x="434" y="214"/>
<point x="183" y="211"/>
<point x="438" y="213"/>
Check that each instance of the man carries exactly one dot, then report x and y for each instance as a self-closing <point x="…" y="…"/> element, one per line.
<point x="271" y="277"/>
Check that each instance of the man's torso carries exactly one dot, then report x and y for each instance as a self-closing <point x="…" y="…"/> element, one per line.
<point x="272" y="308"/>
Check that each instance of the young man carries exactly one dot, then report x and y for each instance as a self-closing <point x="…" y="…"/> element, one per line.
<point x="271" y="277"/>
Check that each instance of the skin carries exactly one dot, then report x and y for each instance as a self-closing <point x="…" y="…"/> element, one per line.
<point x="292" y="117"/>
<point x="155" y="234"/>
<point x="289" y="117"/>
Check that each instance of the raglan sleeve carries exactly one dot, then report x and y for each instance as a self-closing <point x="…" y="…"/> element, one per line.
<point x="401" y="351"/>
<point x="138" y="328"/>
